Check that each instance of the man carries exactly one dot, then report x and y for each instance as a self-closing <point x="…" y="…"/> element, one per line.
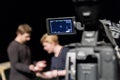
<point x="51" y="45"/>
<point x="20" y="55"/>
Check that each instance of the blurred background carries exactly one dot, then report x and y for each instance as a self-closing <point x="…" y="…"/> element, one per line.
<point x="34" y="12"/>
<point x="13" y="13"/>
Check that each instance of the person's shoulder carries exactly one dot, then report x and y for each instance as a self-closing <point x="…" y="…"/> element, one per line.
<point x="12" y="44"/>
<point x="66" y="49"/>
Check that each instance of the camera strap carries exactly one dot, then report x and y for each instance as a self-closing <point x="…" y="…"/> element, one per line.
<point x="112" y="40"/>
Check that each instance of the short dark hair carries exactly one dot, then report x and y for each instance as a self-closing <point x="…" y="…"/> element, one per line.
<point x="24" y="28"/>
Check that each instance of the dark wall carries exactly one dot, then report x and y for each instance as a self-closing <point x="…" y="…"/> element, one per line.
<point x="35" y="13"/>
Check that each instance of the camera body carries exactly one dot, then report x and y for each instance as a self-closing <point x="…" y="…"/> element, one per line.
<point x="89" y="61"/>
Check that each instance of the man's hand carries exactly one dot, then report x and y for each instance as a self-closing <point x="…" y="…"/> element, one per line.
<point x="41" y="64"/>
<point x="31" y="67"/>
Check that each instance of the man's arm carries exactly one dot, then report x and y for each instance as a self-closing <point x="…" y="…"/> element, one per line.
<point x="14" y="60"/>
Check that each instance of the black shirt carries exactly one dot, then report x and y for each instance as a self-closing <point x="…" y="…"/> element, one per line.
<point x="58" y="63"/>
<point x="20" y="58"/>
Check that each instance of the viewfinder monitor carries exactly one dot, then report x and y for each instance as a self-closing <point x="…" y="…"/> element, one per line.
<point x="61" y="25"/>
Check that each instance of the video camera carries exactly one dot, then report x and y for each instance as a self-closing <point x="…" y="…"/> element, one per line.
<point x="87" y="60"/>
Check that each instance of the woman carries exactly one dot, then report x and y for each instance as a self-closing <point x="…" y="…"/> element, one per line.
<point x="51" y="45"/>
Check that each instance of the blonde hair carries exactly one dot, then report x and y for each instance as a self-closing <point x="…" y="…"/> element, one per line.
<point x="24" y="28"/>
<point x="49" y="38"/>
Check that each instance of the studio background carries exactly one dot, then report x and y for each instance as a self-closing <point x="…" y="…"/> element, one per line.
<point x="34" y="12"/>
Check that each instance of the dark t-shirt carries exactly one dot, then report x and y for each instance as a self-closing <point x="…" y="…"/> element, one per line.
<point x="58" y="63"/>
<point x="20" y="58"/>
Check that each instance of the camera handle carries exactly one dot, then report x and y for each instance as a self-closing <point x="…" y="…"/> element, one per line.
<point x="110" y="37"/>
